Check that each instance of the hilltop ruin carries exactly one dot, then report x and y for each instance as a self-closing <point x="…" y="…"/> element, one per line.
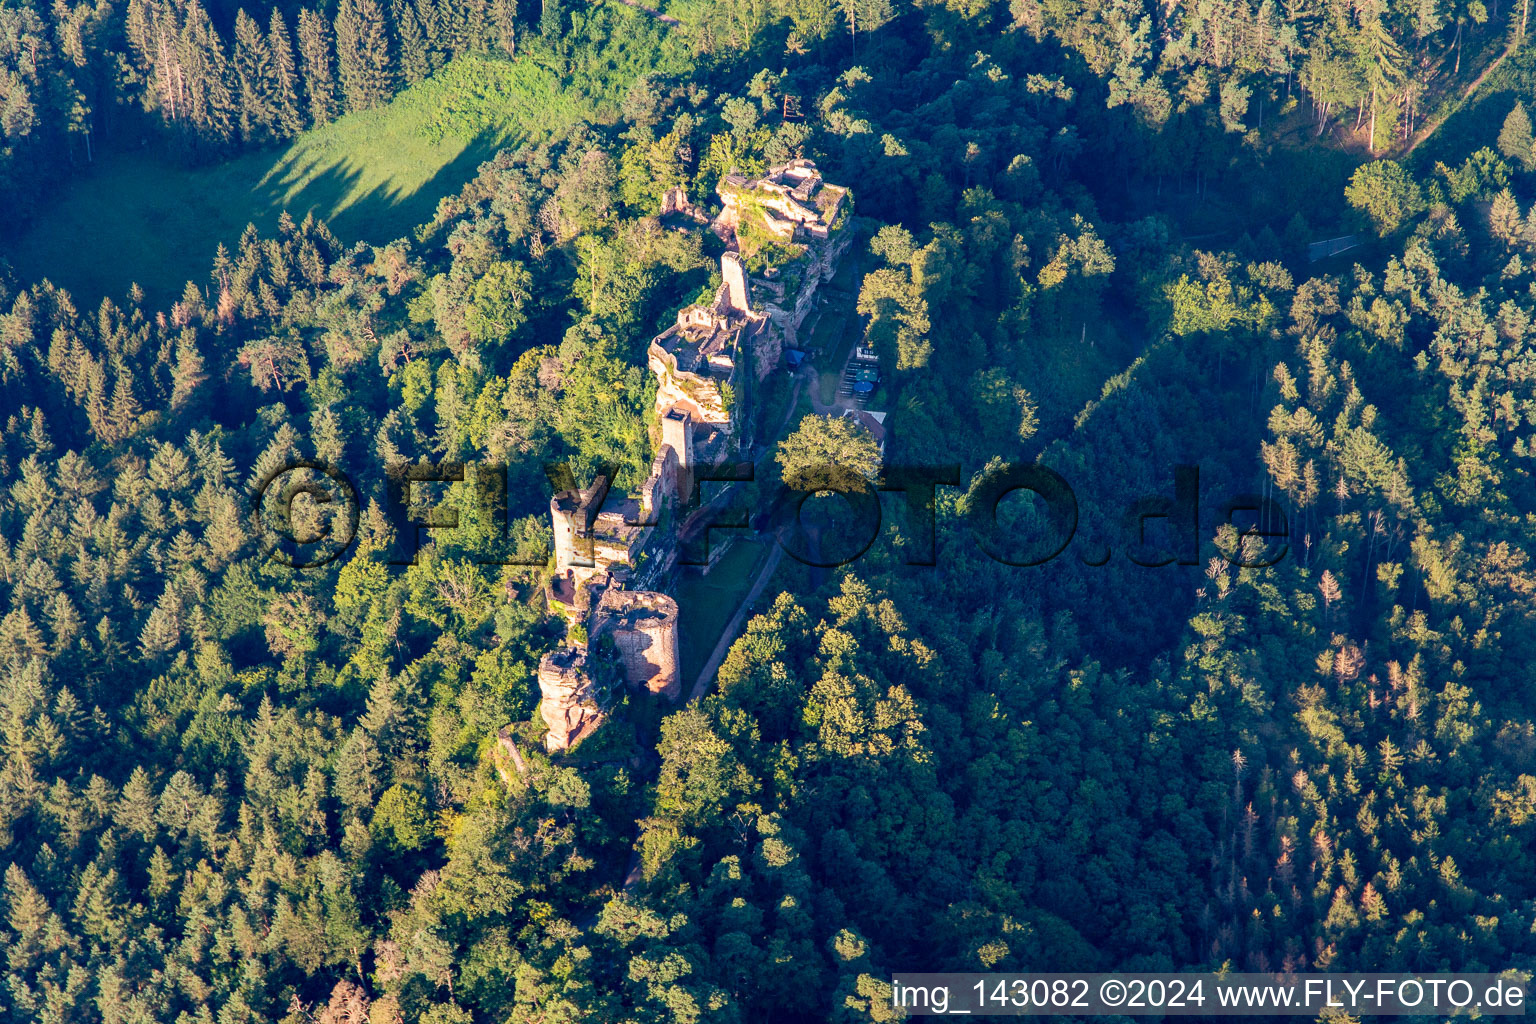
<point x="784" y="234"/>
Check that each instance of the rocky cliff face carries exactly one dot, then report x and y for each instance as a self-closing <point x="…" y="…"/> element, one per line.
<point x="767" y="350"/>
<point x="569" y="704"/>
<point x="633" y="637"/>
<point x="643" y="625"/>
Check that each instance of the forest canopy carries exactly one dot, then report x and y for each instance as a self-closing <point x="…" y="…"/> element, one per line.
<point x="1292" y="245"/>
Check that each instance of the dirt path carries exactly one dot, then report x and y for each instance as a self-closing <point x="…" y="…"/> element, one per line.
<point x="1466" y="94"/>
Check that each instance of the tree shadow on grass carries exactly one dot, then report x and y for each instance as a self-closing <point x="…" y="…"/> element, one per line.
<point x="379" y="214"/>
<point x="146" y="219"/>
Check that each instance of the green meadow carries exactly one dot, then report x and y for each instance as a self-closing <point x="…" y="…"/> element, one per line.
<point x="374" y="175"/>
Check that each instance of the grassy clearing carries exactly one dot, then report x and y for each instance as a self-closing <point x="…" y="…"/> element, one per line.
<point x="838" y="328"/>
<point x="706" y="603"/>
<point x="835" y="336"/>
<point x="373" y="175"/>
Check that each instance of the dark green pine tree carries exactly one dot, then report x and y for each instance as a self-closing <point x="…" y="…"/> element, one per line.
<point x="315" y="56"/>
<point x="206" y="79"/>
<point x="152" y="32"/>
<point x="362" y="54"/>
<point x="504" y="26"/>
<point x="549" y="20"/>
<point x="256" y="81"/>
<point x="478" y="32"/>
<point x="1515" y="137"/>
<point x="90" y="71"/>
<point x="414" y="64"/>
<point x="139" y="23"/>
<point x="430" y="19"/>
<point x="189" y="373"/>
<point x="453" y="28"/>
<point x="123" y="413"/>
<point x="285" y="77"/>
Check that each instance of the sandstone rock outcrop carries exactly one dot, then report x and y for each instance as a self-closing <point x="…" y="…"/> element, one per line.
<point x="643" y="625"/>
<point x="569" y="699"/>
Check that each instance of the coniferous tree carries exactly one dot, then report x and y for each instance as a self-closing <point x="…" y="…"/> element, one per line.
<point x="1385" y="68"/>
<point x="285" y="77"/>
<point x="188" y="374"/>
<point x="1504" y="220"/>
<point x="414" y="63"/>
<point x="362" y="54"/>
<point x="92" y="389"/>
<point x="37" y="436"/>
<point x="504" y="25"/>
<point x="453" y="28"/>
<point x="478" y="30"/>
<point x="866" y="16"/>
<point x="153" y="33"/>
<point x="1515" y="137"/>
<point x="430" y="18"/>
<point x="319" y="74"/>
<point x="256" y="80"/>
<point x="123" y="414"/>
<point x="65" y="622"/>
<point x="89" y="67"/>
<point x="205" y="79"/>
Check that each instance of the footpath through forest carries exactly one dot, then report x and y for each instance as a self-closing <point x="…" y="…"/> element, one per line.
<point x="1434" y="123"/>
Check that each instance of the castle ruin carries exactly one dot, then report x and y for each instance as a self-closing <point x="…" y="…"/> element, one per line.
<point x="784" y="234"/>
<point x="643" y="627"/>
<point x="789" y="227"/>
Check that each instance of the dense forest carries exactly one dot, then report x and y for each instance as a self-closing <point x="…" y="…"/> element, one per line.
<point x="235" y="791"/>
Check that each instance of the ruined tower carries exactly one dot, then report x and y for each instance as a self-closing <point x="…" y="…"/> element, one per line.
<point x="562" y="516"/>
<point x="643" y="626"/>
<point x="734" y="271"/>
<point x="677" y="434"/>
<point x="573" y="514"/>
